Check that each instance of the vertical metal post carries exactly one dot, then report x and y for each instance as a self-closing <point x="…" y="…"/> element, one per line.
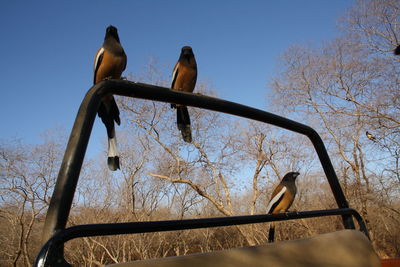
<point x="68" y="175"/>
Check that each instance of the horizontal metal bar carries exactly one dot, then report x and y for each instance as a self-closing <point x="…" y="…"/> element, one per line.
<point x="48" y="250"/>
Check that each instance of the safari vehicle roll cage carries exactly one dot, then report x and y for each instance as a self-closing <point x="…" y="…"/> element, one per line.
<point x="54" y="233"/>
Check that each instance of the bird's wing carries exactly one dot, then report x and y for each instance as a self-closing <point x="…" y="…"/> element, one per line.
<point x="276" y="198"/>
<point x="97" y="62"/>
<point x="175" y="74"/>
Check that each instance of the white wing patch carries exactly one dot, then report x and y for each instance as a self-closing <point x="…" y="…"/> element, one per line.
<point x="174" y="73"/>
<point x="276" y="198"/>
<point x="98" y="55"/>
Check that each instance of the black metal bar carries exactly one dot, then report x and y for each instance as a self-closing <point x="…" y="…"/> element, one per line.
<point x="68" y="176"/>
<point x="47" y="252"/>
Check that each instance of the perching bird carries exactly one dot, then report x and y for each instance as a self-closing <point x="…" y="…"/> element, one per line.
<point x="109" y="63"/>
<point x="281" y="199"/>
<point x="370" y="136"/>
<point x="184" y="79"/>
<point x="397" y="50"/>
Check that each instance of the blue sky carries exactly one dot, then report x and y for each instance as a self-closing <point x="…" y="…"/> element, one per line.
<point x="48" y="48"/>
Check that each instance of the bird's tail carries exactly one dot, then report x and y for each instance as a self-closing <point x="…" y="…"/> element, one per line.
<point x="271" y="234"/>
<point x="113" y="158"/>
<point x="183" y="121"/>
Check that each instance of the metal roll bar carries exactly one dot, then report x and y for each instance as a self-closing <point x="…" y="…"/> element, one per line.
<point x="60" y="204"/>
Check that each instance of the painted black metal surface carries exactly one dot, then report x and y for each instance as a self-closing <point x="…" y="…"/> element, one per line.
<point x="68" y="176"/>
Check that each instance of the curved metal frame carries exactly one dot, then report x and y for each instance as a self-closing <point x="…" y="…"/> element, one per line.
<point x="68" y="176"/>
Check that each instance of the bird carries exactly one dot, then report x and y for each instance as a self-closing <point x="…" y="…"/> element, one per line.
<point x="397" y="50"/>
<point x="109" y="63"/>
<point x="184" y="78"/>
<point x="370" y="136"/>
<point x="281" y="199"/>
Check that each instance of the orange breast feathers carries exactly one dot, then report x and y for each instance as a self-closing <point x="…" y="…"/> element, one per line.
<point x="281" y="200"/>
<point x="186" y="78"/>
<point x="284" y="204"/>
<point x="109" y="66"/>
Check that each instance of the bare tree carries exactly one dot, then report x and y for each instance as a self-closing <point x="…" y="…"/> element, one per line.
<point x="351" y="95"/>
<point x="27" y="178"/>
<point x="374" y="24"/>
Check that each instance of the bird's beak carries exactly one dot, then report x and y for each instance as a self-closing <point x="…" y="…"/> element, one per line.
<point x="295" y="175"/>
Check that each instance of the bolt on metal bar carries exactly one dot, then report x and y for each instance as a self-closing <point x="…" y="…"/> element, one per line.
<point x="68" y="176"/>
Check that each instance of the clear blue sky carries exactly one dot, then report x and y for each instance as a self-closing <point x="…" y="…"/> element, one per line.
<point x="48" y="48"/>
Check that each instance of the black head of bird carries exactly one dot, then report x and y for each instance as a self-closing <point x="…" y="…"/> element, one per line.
<point x="290" y="176"/>
<point x="187" y="52"/>
<point x="112" y="31"/>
